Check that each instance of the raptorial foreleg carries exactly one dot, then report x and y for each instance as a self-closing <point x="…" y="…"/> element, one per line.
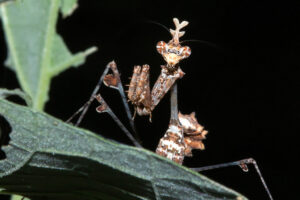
<point x="139" y="90"/>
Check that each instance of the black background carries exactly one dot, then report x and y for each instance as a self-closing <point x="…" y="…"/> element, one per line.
<point x="239" y="90"/>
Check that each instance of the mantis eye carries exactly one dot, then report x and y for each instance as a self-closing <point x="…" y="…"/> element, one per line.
<point x="161" y="47"/>
<point x="186" y="52"/>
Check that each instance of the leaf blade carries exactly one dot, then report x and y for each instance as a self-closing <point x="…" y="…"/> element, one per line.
<point x="69" y="157"/>
<point x="31" y="36"/>
<point x="68" y="7"/>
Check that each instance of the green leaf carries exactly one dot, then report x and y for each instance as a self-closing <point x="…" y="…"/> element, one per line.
<point x="17" y="197"/>
<point x="36" y="52"/>
<point x="68" y="7"/>
<point x="4" y="93"/>
<point x="49" y="158"/>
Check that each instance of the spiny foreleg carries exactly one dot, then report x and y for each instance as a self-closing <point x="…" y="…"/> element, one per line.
<point x="139" y="90"/>
<point x="163" y="84"/>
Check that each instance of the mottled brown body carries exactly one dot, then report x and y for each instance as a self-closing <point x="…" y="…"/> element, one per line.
<point x="184" y="133"/>
<point x="172" y="145"/>
<point x="194" y="133"/>
<point x="172" y="52"/>
<point x="181" y="138"/>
